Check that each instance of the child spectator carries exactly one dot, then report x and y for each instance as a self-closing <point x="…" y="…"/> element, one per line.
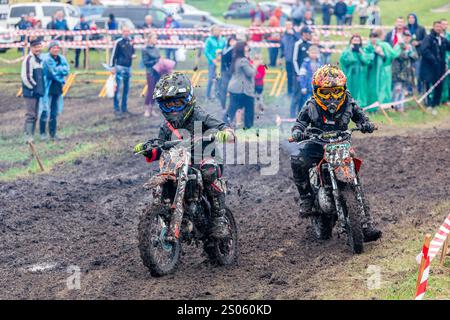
<point x="309" y="67"/>
<point x="403" y="69"/>
<point x="259" y="80"/>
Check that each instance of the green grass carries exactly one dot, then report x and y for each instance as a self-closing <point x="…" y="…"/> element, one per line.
<point x="395" y="257"/>
<point x="412" y="116"/>
<point x="78" y="151"/>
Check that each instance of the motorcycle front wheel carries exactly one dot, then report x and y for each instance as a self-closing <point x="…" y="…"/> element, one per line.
<point x="224" y="252"/>
<point x="158" y="255"/>
<point x="323" y="226"/>
<point x="354" y="230"/>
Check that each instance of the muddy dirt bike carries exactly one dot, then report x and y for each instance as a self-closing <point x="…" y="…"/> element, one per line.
<point x="336" y="187"/>
<point x="180" y="212"/>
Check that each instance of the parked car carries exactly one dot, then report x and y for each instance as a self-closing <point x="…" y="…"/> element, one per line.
<point x="5" y="37"/>
<point x="239" y="9"/>
<point x="175" y="8"/>
<point x="137" y="14"/>
<point x="101" y="22"/>
<point x="43" y="11"/>
<point x="200" y="19"/>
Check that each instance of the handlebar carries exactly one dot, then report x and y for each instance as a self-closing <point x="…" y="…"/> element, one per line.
<point x="166" y="145"/>
<point x="309" y="132"/>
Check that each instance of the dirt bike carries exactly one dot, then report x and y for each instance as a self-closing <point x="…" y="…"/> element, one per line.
<point x="336" y="187"/>
<point x="180" y="212"/>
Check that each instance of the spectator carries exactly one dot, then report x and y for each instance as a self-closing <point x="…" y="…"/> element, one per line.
<point x="242" y="85"/>
<point x="23" y="24"/>
<point x="446" y="90"/>
<point x="59" y="22"/>
<point x="82" y="25"/>
<point x="433" y="65"/>
<point x="327" y="11"/>
<point x="394" y="36"/>
<point x="326" y="49"/>
<point x="225" y="70"/>
<point x="275" y="37"/>
<point x="340" y="10"/>
<point x="121" y="60"/>
<point x="309" y="7"/>
<point x="300" y="52"/>
<point x="32" y="20"/>
<point x="150" y="56"/>
<point x="32" y="87"/>
<point x="418" y="33"/>
<point x="171" y="23"/>
<point x="257" y="13"/>
<point x="362" y="8"/>
<point x="354" y="62"/>
<point x="297" y="12"/>
<point x="351" y="6"/>
<point x="309" y="66"/>
<point x="403" y="69"/>
<point x="259" y="80"/>
<point x="288" y="41"/>
<point x="308" y="19"/>
<point x="112" y="23"/>
<point x="148" y="22"/>
<point x="374" y="14"/>
<point x="213" y="44"/>
<point x="55" y="68"/>
<point x="256" y="35"/>
<point x="380" y="70"/>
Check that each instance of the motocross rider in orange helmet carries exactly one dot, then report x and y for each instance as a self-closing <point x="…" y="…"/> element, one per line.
<point x="330" y="108"/>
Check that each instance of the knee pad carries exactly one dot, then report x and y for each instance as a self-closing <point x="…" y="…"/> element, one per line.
<point x="211" y="171"/>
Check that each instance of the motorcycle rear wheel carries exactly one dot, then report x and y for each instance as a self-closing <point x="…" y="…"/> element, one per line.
<point x="224" y="252"/>
<point x="159" y="256"/>
<point x="354" y="230"/>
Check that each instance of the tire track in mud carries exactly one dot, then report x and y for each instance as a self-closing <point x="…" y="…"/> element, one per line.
<point x="88" y="217"/>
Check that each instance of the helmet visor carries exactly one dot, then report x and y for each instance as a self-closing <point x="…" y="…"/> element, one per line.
<point x="327" y="93"/>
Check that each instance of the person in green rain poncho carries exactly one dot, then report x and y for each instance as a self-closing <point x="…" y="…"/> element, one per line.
<point x="354" y="62"/>
<point x="380" y="70"/>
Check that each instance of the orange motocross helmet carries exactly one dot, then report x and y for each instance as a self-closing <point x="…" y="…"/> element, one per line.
<point x="329" y="87"/>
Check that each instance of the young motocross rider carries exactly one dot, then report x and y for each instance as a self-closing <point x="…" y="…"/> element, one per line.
<point x="330" y="108"/>
<point x="174" y="95"/>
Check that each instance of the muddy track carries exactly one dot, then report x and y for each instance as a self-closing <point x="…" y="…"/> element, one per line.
<point x="87" y="214"/>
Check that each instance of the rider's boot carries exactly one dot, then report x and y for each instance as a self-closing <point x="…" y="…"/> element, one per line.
<point x="371" y="233"/>
<point x="300" y="175"/>
<point x="219" y="226"/>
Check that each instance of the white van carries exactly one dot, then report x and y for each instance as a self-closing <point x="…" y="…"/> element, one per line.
<point x="43" y="11"/>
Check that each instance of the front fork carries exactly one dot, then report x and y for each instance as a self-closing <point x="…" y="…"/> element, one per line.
<point x="336" y="195"/>
<point x="178" y="205"/>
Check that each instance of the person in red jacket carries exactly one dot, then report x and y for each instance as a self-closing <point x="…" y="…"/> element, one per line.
<point x="259" y="80"/>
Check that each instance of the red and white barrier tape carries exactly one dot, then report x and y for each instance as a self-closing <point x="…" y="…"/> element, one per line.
<point x="434" y="86"/>
<point x="439" y="238"/>
<point x="429" y="253"/>
<point x="333" y="30"/>
<point x="387" y="105"/>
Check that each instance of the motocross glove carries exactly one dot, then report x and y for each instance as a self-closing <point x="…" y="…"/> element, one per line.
<point x="298" y="135"/>
<point x="226" y="135"/>
<point x="367" y="127"/>
<point x="139" y="148"/>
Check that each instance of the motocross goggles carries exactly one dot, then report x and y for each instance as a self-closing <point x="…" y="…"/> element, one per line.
<point x="173" y="105"/>
<point x="327" y="93"/>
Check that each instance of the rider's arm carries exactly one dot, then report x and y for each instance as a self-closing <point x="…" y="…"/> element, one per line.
<point x="359" y="116"/>
<point x="362" y="120"/>
<point x="303" y="120"/>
